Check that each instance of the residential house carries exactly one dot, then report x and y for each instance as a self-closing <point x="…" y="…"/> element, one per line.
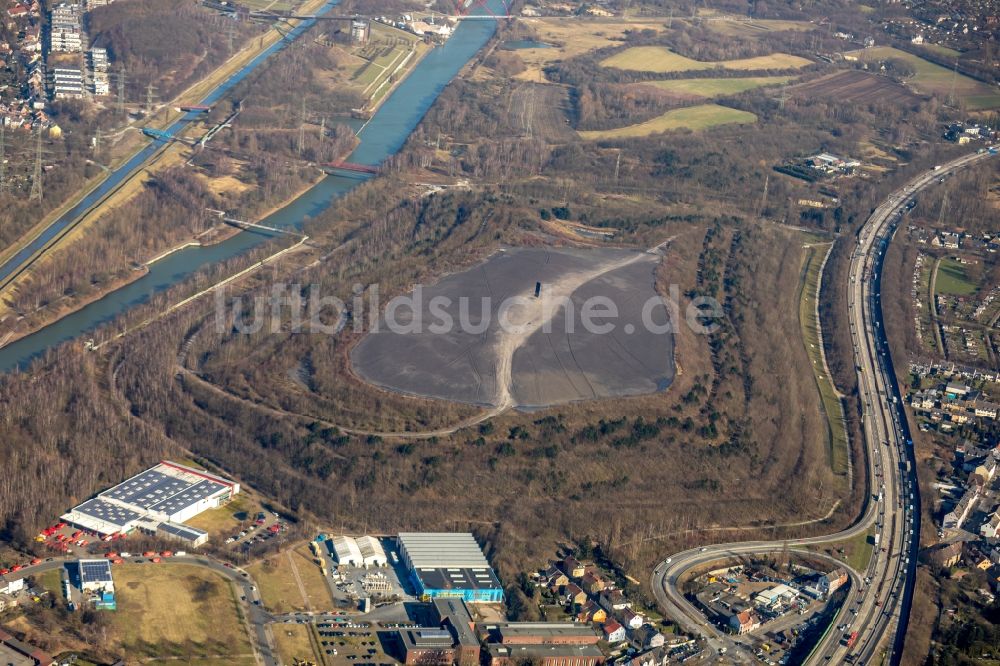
<point x="591" y="612"/>
<point x="7" y="602"/>
<point x="946" y="556"/>
<point x="592" y="583"/>
<point x="991" y="527"/>
<point x="613" y="631"/>
<point x="572" y="567"/>
<point x="987" y="469"/>
<point x="743" y="622"/>
<point x="613" y="600"/>
<point x="953" y="519"/>
<point x="554" y="578"/>
<point x="831" y="582"/>
<point x="656" y="657"/>
<point x="647" y="637"/>
<point x="574" y="595"/>
<point x="630" y="618"/>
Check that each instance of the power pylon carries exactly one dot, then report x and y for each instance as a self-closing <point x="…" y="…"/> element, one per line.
<point x="302" y="129"/>
<point x="149" y="97"/>
<point x="36" y="177"/>
<point x="944" y="208"/>
<point x="763" y="199"/>
<point x="121" y="90"/>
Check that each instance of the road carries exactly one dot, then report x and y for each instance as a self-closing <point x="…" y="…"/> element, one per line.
<point x="878" y="601"/>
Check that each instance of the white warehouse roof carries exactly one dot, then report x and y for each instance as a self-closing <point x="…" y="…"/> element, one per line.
<point x="346" y="550"/>
<point x="433" y="550"/>
<point x="372" y="551"/>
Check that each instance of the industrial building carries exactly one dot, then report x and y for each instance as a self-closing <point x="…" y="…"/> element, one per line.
<point x="451" y="641"/>
<point x="345" y="550"/>
<point x="449" y="564"/>
<point x="156" y="501"/>
<point x="372" y="552"/>
<point x="94" y="579"/>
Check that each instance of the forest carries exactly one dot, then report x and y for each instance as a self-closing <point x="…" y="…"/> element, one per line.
<point x="165" y="46"/>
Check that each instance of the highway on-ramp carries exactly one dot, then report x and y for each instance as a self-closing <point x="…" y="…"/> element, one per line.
<point x="878" y="601"/>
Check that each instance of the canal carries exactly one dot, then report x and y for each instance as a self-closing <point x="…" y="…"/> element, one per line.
<point x="381" y="137"/>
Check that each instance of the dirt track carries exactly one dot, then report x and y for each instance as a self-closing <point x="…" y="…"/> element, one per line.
<point x="543" y="354"/>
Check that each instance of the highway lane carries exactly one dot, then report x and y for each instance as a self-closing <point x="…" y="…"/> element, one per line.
<point x="877" y="605"/>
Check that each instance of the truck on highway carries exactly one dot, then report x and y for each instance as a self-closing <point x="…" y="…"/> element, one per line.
<point x="850" y="640"/>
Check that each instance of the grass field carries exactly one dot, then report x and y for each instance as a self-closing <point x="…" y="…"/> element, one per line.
<point x="695" y="118"/>
<point x="718" y="87"/>
<point x="177" y="610"/>
<point x="833" y="408"/>
<point x="856" y="552"/>
<point x="572" y="38"/>
<point x="661" y="59"/>
<point x="227" y="518"/>
<point x="936" y="80"/>
<point x="952" y="279"/>
<point x="279" y="588"/>
<point x="941" y="50"/>
<point x="293" y="643"/>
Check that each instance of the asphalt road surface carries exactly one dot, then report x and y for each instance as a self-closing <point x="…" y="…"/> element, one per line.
<point x="878" y="601"/>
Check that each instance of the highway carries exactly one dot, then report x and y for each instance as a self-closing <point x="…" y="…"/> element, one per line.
<point x="878" y="602"/>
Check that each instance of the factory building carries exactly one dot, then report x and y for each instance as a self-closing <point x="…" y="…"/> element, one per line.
<point x="156" y="501"/>
<point x="94" y="580"/>
<point x="447" y="564"/>
<point x="372" y="552"/>
<point x="345" y="551"/>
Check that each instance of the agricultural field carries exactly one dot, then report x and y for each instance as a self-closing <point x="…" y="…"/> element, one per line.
<point x="854" y="86"/>
<point x="291" y="581"/>
<point x="936" y="80"/>
<point x="953" y="279"/>
<point x="711" y="88"/>
<point x="178" y="610"/>
<point x="662" y="60"/>
<point x="568" y="39"/>
<point x="693" y="118"/>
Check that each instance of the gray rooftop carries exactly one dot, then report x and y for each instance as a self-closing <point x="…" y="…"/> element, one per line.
<point x="181" y="531"/>
<point x="107" y="512"/>
<point x="433" y="550"/>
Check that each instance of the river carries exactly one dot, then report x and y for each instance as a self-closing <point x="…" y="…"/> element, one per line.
<point x="381" y="137"/>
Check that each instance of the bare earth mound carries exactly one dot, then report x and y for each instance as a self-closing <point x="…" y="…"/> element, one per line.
<point x="546" y="355"/>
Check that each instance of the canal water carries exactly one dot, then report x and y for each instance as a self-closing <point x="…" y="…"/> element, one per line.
<point x="381" y="137"/>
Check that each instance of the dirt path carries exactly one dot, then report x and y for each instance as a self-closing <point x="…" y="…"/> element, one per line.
<point x="298" y="581"/>
<point x="534" y="313"/>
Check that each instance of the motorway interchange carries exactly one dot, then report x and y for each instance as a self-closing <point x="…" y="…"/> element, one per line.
<point x="878" y="600"/>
